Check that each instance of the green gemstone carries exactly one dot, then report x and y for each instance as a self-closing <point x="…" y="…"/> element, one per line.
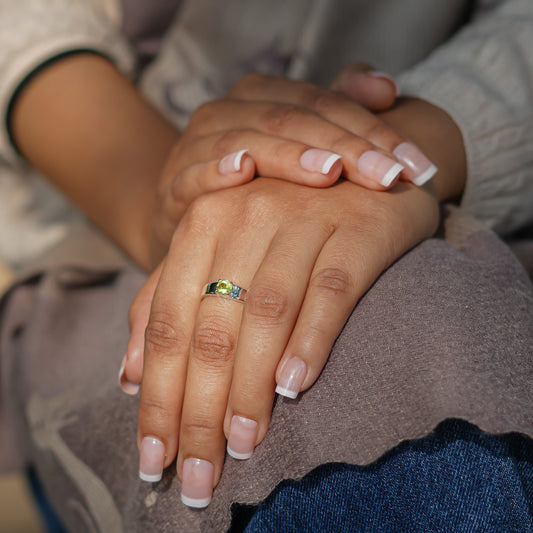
<point x="224" y="286"/>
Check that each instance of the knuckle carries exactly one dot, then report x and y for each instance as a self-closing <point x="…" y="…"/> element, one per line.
<point x="197" y="218"/>
<point x="322" y="101"/>
<point x="156" y="411"/>
<point x="344" y="142"/>
<point x="384" y="218"/>
<point x="161" y="335"/>
<point x="213" y="344"/>
<point x="376" y="129"/>
<point x="278" y="117"/>
<point x="316" y="330"/>
<point x="257" y="207"/>
<point x="227" y="142"/>
<point x="333" y="279"/>
<point x="198" y="430"/>
<point x="265" y="302"/>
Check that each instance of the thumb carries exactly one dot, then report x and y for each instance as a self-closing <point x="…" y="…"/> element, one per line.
<point x="372" y="89"/>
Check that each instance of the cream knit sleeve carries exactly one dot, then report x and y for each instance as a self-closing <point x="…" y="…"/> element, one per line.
<point x="483" y="77"/>
<point x="35" y="31"/>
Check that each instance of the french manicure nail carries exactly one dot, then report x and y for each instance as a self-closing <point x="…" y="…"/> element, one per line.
<point x="152" y="459"/>
<point x="197" y="484"/>
<point x="379" y="167"/>
<point x="382" y="75"/>
<point x="292" y="377"/>
<point x="242" y="435"/>
<point x="418" y="167"/>
<point x="316" y="160"/>
<point x="129" y="388"/>
<point x="232" y="162"/>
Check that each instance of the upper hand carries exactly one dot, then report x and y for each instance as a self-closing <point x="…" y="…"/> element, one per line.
<point x="290" y="130"/>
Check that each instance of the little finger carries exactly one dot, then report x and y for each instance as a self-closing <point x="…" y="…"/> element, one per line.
<point x="130" y="373"/>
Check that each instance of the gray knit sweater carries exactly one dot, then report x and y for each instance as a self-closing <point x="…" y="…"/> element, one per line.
<point x="480" y="71"/>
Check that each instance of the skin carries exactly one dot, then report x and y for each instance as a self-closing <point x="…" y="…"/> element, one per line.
<point x="150" y="172"/>
<point x="306" y="255"/>
<point x="265" y="116"/>
<point x="98" y="146"/>
<point x="269" y="226"/>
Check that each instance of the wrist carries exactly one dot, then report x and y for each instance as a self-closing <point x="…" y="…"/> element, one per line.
<point x="439" y="137"/>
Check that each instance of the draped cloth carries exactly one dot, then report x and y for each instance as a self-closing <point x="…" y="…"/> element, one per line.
<point x="445" y="332"/>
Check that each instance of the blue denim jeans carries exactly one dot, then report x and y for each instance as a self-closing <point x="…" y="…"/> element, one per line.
<point x="458" y="479"/>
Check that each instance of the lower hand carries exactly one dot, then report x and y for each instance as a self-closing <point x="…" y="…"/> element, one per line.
<point x="212" y="364"/>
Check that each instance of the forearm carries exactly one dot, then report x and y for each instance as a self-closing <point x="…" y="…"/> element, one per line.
<point x="89" y="131"/>
<point x="438" y="136"/>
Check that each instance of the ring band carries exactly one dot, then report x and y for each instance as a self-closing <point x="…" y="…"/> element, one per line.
<point x="225" y="287"/>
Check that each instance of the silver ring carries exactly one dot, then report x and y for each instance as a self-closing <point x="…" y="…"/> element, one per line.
<point x="225" y="287"/>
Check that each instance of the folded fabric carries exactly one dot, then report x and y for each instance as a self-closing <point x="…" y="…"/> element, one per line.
<point x="445" y="332"/>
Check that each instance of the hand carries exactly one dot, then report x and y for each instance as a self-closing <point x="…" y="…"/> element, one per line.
<point x="432" y="129"/>
<point x="212" y="364"/>
<point x="300" y="138"/>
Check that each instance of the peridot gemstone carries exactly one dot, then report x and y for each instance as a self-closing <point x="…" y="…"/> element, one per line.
<point x="224" y="286"/>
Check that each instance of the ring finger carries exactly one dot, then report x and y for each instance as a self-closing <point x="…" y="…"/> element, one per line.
<point x="210" y="369"/>
<point x="271" y="311"/>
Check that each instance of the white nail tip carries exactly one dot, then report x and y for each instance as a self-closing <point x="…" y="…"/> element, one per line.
<point x="425" y="176"/>
<point x="392" y="174"/>
<point x="238" y="160"/>
<point x="121" y="371"/>
<point x="197" y="503"/>
<point x="127" y="387"/>
<point x="282" y="391"/>
<point x="153" y="478"/>
<point x="237" y="455"/>
<point x="329" y="162"/>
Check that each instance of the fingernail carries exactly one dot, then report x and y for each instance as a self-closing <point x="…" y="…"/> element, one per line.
<point x="125" y="385"/>
<point x="382" y="75"/>
<point x="418" y="168"/>
<point x="242" y="435"/>
<point x="379" y="167"/>
<point x="231" y="162"/>
<point x="152" y="459"/>
<point x="292" y="377"/>
<point x="197" y="484"/>
<point x="316" y="160"/>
